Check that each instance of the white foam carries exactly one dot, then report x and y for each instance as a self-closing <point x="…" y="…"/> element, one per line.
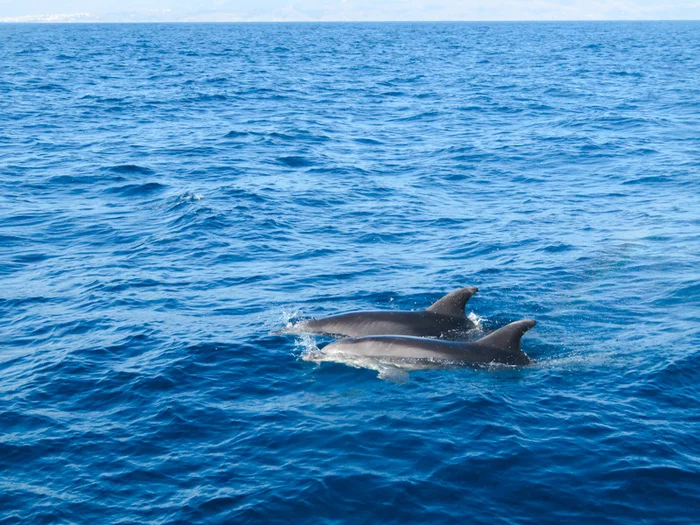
<point x="191" y="197"/>
<point x="393" y="374"/>
<point x="477" y="320"/>
<point x="290" y="320"/>
<point x="575" y="361"/>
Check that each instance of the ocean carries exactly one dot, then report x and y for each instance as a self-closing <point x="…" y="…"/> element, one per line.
<point x="171" y="195"/>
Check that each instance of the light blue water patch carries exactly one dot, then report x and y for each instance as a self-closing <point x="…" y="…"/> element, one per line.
<point x="172" y="194"/>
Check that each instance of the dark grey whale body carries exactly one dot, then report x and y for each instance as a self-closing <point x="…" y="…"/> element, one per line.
<point x="445" y="319"/>
<point x="501" y="346"/>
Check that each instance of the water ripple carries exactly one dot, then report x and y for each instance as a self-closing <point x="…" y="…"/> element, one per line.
<point x="171" y="196"/>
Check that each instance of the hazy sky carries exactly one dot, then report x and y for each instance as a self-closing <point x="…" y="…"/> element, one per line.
<point x="344" y="10"/>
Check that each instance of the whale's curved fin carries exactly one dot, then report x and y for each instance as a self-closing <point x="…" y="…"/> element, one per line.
<point x="453" y="303"/>
<point x="508" y="337"/>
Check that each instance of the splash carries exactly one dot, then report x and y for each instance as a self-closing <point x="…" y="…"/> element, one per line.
<point x="288" y="316"/>
<point x="290" y="320"/>
<point x="305" y="347"/>
<point x="477" y="320"/>
<point x="190" y="197"/>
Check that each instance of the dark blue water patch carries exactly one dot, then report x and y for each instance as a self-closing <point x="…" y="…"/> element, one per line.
<point x="130" y="169"/>
<point x="132" y="190"/>
<point x="298" y="135"/>
<point x="50" y="87"/>
<point x="206" y="97"/>
<point x="423" y="116"/>
<point x="370" y="141"/>
<point x="192" y="151"/>
<point x="393" y="94"/>
<point x="31" y="258"/>
<point x="236" y="134"/>
<point x="103" y="100"/>
<point x="652" y="179"/>
<point x="82" y="180"/>
<point x="6" y="240"/>
<point x="634" y="74"/>
<point x="295" y="161"/>
<point x="558" y="247"/>
<point x="686" y="293"/>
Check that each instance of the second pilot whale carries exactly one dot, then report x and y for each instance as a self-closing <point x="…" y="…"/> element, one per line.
<point x="499" y="347"/>
<point x="444" y="319"/>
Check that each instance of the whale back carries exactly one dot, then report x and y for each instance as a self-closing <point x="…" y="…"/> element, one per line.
<point x="502" y="346"/>
<point x="359" y="324"/>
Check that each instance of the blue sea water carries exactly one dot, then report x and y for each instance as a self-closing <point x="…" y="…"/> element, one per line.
<point x="170" y="195"/>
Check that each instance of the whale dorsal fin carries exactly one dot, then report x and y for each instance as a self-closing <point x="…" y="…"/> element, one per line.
<point x="508" y="337"/>
<point x="453" y="303"/>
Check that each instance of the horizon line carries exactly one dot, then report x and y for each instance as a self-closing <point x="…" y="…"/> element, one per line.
<point x="547" y="20"/>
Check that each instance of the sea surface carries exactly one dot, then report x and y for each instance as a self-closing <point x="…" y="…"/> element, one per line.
<point x="171" y="195"/>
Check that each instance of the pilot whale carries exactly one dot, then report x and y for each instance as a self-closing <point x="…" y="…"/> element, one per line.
<point x="445" y="319"/>
<point x="501" y="346"/>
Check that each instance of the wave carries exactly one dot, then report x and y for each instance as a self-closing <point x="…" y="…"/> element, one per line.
<point x="130" y="169"/>
<point x="131" y="190"/>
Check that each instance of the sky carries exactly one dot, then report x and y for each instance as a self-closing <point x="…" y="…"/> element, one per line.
<point x="341" y="10"/>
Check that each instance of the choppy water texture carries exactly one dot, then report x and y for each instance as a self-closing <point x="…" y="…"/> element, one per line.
<point x="171" y="194"/>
